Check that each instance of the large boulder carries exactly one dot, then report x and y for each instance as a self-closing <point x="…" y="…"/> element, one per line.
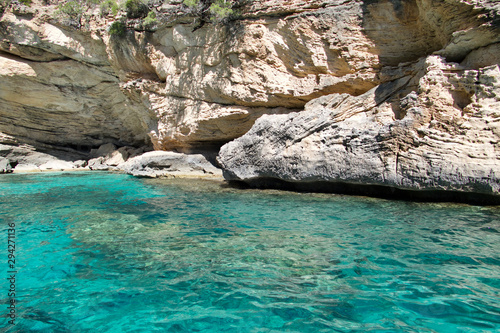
<point x="434" y="130"/>
<point x="108" y="156"/>
<point x="57" y="165"/>
<point x="170" y="164"/>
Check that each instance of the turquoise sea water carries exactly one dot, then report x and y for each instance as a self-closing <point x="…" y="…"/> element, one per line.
<point x="99" y="252"/>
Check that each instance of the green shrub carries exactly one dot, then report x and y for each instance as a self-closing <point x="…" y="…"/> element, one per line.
<point x="218" y="9"/>
<point x="191" y="3"/>
<point x="72" y="8"/>
<point x="109" y="7"/>
<point x="118" y="28"/>
<point x="135" y="9"/>
<point x="26" y="2"/>
<point x="150" y="20"/>
<point x="221" y="9"/>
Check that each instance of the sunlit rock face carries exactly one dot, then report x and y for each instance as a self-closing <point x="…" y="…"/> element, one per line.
<point x="394" y="92"/>
<point x="431" y="123"/>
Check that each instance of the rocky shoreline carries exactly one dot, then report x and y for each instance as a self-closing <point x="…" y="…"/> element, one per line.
<point x="162" y="164"/>
<point x="341" y="139"/>
<point x="381" y="98"/>
<point x="108" y="157"/>
<point x="368" y="190"/>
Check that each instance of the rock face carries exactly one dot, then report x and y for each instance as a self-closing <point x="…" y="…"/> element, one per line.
<point x="109" y="156"/>
<point x="437" y="129"/>
<point x="24" y="157"/>
<point x="169" y="164"/>
<point x="5" y="165"/>
<point x="430" y="124"/>
<point x="175" y="88"/>
<point x="402" y="93"/>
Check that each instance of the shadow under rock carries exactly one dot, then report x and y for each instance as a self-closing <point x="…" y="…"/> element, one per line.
<point x="377" y="191"/>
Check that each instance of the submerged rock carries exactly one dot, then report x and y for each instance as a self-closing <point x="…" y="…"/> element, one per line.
<point x="165" y="164"/>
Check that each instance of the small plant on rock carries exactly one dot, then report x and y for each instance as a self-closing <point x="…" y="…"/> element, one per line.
<point x="191" y="3"/>
<point x="72" y="11"/>
<point x="135" y="9"/>
<point x="221" y="9"/>
<point x="118" y="28"/>
<point x="216" y="11"/>
<point x="150" y="21"/>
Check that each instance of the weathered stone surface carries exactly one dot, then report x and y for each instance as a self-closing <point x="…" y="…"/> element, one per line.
<point x="170" y="164"/>
<point x="98" y="163"/>
<point x="435" y="130"/>
<point x="80" y="164"/>
<point x="27" y="158"/>
<point x="117" y="157"/>
<point x="57" y="165"/>
<point x="27" y="168"/>
<point x="108" y="156"/>
<point x="5" y="165"/>
<point x="66" y="103"/>
<point x="104" y="150"/>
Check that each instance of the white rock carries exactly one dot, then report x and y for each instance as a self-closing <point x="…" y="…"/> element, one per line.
<point x="26" y="168"/>
<point x="104" y="150"/>
<point x="57" y="165"/>
<point x="117" y="157"/>
<point x="5" y="165"/>
<point x="162" y="163"/>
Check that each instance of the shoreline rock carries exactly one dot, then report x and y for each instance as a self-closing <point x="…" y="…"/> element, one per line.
<point x="26" y="158"/>
<point x="368" y="190"/>
<point x="436" y="130"/>
<point x="111" y="158"/>
<point x="402" y="94"/>
<point x="170" y="164"/>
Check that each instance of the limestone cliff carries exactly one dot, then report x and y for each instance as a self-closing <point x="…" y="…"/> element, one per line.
<point x="395" y="92"/>
<point x="431" y="123"/>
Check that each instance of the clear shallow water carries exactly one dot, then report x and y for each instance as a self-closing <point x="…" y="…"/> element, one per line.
<point x="100" y="252"/>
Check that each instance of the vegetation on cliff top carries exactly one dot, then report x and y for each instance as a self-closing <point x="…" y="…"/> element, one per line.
<point x="142" y="15"/>
<point x="217" y="9"/>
